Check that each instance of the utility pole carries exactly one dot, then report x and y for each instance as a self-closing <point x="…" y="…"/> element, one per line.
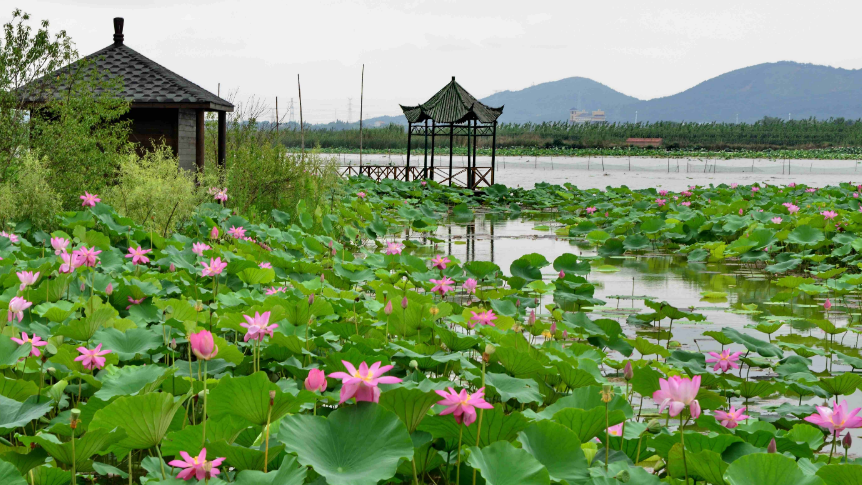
<point x="290" y="110"/>
<point x="636" y="116"/>
<point x="349" y="109"/>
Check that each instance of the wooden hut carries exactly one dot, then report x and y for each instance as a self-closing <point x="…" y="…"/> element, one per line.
<point x="164" y="105"/>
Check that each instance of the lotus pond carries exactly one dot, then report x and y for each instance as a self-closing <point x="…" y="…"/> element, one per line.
<point x="423" y="334"/>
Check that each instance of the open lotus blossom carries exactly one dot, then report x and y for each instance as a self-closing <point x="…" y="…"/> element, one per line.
<point x="462" y="405"/>
<point x="273" y="290"/>
<point x="724" y="361"/>
<point x="616" y="430"/>
<point x="215" y="267"/>
<point x="661" y="202"/>
<point x="394" y="248"/>
<point x="442" y="286"/>
<point x="133" y="302"/>
<point x="237" y="232"/>
<point x="734" y="185"/>
<point x="92" y="359"/>
<point x="89" y="200"/>
<point x="203" y="345"/>
<point x="792" y="208"/>
<point x="686" y="193"/>
<point x="219" y="194"/>
<point x="17" y="305"/>
<point x="470" y="285"/>
<point x="855" y="195"/>
<point x="440" y="262"/>
<point x="423" y="183"/>
<point x="485" y="318"/>
<point x="791" y="184"/>
<point x="70" y="262"/>
<point x="361" y="195"/>
<point x="138" y="255"/>
<point x="836" y="419"/>
<point x="199" y="248"/>
<point x="27" y="278"/>
<point x="755" y="188"/>
<point x="731" y="419"/>
<point x="316" y="381"/>
<point x="86" y="256"/>
<point x="265" y="265"/>
<point x="676" y="393"/>
<point x="811" y="190"/>
<point x="35" y="343"/>
<point x="590" y="210"/>
<point x="686" y="203"/>
<point x="59" y="244"/>
<point x="662" y="192"/>
<point x="257" y="327"/>
<point x="10" y="236"/>
<point x="776" y="220"/>
<point x="197" y="467"/>
<point x="829" y="215"/>
<point x="362" y="383"/>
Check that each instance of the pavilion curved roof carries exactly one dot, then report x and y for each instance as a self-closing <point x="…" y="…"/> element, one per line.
<point x="452" y="104"/>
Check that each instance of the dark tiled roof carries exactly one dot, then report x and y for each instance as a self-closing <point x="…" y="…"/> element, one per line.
<point x="144" y="81"/>
<point x="452" y="104"/>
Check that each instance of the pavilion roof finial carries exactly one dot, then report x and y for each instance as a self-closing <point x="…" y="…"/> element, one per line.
<point x="118" y="30"/>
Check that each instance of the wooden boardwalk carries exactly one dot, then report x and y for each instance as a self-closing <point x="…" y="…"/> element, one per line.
<point x="465" y="177"/>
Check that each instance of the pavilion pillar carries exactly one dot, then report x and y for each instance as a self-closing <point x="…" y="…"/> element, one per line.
<point x="409" y="137"/>
<point x="433" y="139"/>
<point x="200" y="134"/>
<point x="451" y="147"/>
<point x="493" y="153"/>
<point x="425" y="161"/>
<point x="475" y="143"/>
<point x="469" y="162"/>
<point x="222" y="138"/>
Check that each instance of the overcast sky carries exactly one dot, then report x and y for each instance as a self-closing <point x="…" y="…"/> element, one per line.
<point x="411" y="48"/>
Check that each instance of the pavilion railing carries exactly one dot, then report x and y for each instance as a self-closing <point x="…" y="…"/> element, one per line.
<point x="456" y="176"/>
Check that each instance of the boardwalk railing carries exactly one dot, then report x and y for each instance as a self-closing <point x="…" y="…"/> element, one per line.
<point x="466" y="177"/>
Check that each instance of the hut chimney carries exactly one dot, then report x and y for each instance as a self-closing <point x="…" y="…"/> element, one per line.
<point x="118" y="30"/>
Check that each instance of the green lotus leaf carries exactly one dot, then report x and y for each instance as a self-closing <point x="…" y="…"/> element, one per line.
<point x="763" y="348"/>
<point x="410" y="405"/>
<point x="806" y="236"/>
<point x="9" y="475"/>
<point x="355" y="445"/>
<point x="10" y="352"/>
<point x="558" y="449"/>
<point x="771" y="468"/>
<point x="288" y="473"/>
<point x="130" y="380"/>
<point x="502" y="464"/>
<point x="248" y="398"/>
<point x="128" y="344"/>
<point x="244" y="458"/>
<point x="524" y="391"/>
<point x="14" y="414"/>
<point x="92" y="442"/>
<point x="145" y="418"/>
<point x="846" y="474"/>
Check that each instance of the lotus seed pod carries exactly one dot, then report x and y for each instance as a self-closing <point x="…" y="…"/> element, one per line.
<point x="271" y="398"/>
<point x="490" y="349"/>
<point x="414" y="364"/>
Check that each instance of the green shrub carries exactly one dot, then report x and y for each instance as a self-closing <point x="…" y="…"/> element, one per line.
<point x="27" y="195"/>
<point x="154" y="191"/>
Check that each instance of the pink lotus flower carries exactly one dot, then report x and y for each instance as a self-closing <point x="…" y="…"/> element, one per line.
<point x="27" y="278"/>
<point x="734" y="185"/>
<point x="791" y="184"/>
<point x="676" y="393"/>
<point x="316" y="381"/>
<point x="17" y="305"/>
<point x="485" y="318"/>
<point x="59" y="244"/>
<point x="792" y="208"/>
<point x="219" y="194"/>
<point x="199" y="248"/>
<point x="561" y="274"/>
<point x="776" y="220"/>
<point x="855" y="195"/>
<point x="237" y="232"/>
<point x="86" y="256"/>
<point x="829" y="215"/>
<point x="836" y="419"/>
<point x="109" y="289"/>
<point x="70" y="263"/>
<point x="197" y="467"/>
<point x="616" y="430"/>
<point x="10" y="236"/>
<point x="470" y="285"/>
<point x="273" y="290"/>
<point x="686" y="193"/>
<point x="590" y="210"/>
<point x="388" y="308"/>
<point x="462" y="405"/>
<point x="662" y="192"/>
<point x="138" y="255"/>
<point x="265" y="265"/>
<point x="724" y="361"/>
<point x="442" y="286"/>
<point x="133" y="302"/>
<point x="532" y="318"/>
<point x="92" y="359"/>
<point x="686" y="203"/>
<point x="731" y="418"/>
<point x="35" y="343"/>
<point x="215" y="267"/>
<point x="811" y="190"/>
<point x="661" y="202"/>
<point x="203" y="345"/>
<point x="362" y="383"/>
<point x="827" y="304"/>
<point x="361" y="195"/>
<point x="394" y="248"/>
<point x="423" y="183"/>
<point x="214" y="233"/>
<point x="740" y="211"/>
<point x="89" y="199"/>
<point x="755" y="188"/>
<point x="440" y="262"/>
<point x="257" y="327"/>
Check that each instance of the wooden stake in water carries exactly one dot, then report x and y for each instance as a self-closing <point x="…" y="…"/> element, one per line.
<point x="276" y="114"/>
<point x="301" y="127"/>
<point x="361" y="97"/>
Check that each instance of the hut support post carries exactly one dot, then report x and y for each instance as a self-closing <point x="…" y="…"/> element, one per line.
<point x="199" y="140"/>
<point x="222" y="138"/>
<point x="451" y="147"/>
<point x="425" y="161"/>
<point x="433" y="140"/>
<point x="493" y="152"/>
<point x="475" y="143"/>
<point x="409" y="141"/>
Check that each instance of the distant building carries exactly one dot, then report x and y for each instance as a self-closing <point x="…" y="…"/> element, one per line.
<point x="379" y="123"/>
<point x="583" y="116"/>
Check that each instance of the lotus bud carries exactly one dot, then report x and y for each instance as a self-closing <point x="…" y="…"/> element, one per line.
<point x="565" y="335"/>
<point x="554" y="328"/>
<point x="322" y="277"/>
<point x="413" y="364"/>
<point x="311" y="299"/>
<point x="490" y="349"/>
<point x="562" y="274"/>
<point x="271" y="398"/>
<point x="173" y="344"/>
<point x="827" y="304"/>
<point x="847" y="441"/>
<point x="51" y="370"/>
<point x="532" y="318"/>
<point x="109" y="289"/>
<point x="404" y="303"/>
<point x="76" y="413"/>
<point x="653" y="427"/>
<point x="694" y="408"/>
<point x="214" y="233"/>
<point x="628" y="372"/>
<point x="434" y="311"/>
<point x="772" y="448"/>
<point x="388" y="308"/>
<point x="623" y="476"/>
<point x="518" y="303"/>
<point x="607" y="393"/>
<point x="333" y="251"/>
<point x="172" y="268"/>
<point x="82" y="287"/>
